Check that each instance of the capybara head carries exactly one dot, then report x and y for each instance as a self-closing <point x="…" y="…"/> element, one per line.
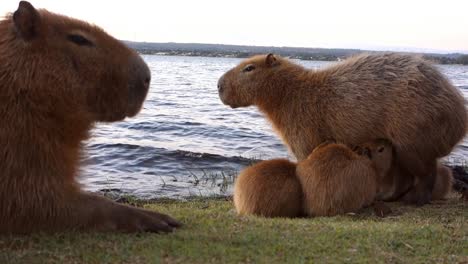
<point x="69" y="58"/>
<point x="245" y="84"/>
<point x="380" y="152"/>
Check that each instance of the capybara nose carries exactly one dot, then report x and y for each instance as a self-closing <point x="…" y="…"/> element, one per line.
<point x="139" y="83"/>
<point x="147" y="80"/>
<point x="221" y="84"/>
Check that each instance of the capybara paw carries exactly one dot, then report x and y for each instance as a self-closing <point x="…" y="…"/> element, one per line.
<point x="139" y="220"/>
<point x="381" y="209"/>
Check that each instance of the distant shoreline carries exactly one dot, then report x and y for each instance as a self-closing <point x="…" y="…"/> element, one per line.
<point x="237" y="51"/>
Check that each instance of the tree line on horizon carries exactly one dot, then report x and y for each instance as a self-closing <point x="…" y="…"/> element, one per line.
<point x="239" y="51"/>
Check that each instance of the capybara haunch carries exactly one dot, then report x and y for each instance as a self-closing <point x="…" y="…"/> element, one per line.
<point x="401" y="98"/>
<point x="270" y="189"/>
<point x="337" y="180"/>
<point x="58" y="76"/>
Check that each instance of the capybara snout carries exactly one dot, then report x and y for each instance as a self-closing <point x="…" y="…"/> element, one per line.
<point x="221" y="85"/>
<point x="127" y="95"/>
<point x="242" y="91"/>
<point x="140" y="78"/>
<point x="227" y="96"/>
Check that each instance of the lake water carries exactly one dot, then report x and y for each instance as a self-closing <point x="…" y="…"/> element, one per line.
<point x="185" y="142"/>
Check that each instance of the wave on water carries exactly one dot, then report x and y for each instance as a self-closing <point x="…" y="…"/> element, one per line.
<point x="149" y="172"/>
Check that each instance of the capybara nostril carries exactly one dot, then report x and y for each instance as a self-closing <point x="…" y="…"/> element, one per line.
<point x="220" y="88"/>
<point x="147" y="80"/>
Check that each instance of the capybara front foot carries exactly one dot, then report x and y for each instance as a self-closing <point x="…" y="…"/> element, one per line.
<point x="381" y="209"/>
<point x="110" y="216"/>
<point x="140" y="220"/>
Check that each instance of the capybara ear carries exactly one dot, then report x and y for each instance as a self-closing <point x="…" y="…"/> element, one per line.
<point x="26" y="20"/>
<point x="271" y="60"/>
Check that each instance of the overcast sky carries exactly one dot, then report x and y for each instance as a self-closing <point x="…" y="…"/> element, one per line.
<point x="367" y="24"/>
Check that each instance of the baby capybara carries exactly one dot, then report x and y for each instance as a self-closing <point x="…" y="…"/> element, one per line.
<point x="337" y="180"/>
<point x="58" y="76"/>
<point x="396" y="182"/>
<point x="270" y="189"/>
<point x="401" y="98"/>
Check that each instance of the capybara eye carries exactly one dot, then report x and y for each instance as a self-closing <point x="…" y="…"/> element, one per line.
<point x="380" y="149"/>
<point x="79" y="40"/>
<point x="249" y="68"/>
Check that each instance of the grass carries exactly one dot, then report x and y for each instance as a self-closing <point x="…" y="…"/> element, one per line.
<point x="213" y="233"/>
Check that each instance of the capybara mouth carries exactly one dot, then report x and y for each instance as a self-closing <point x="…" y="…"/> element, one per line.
<point x="225" y="101"/>
<point x="136" y="101"/>
<point x="224" y="97"/>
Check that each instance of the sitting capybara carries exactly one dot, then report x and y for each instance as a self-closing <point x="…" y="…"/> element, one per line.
<point x="337" y="180"/>
<point x="270" y="189"/>
<point x="58" y="76"/>
<point x="398" y="97"/>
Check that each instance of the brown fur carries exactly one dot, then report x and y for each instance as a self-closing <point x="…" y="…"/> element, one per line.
<point x="337" y="180"/>
<point x="398" y="97"/>
<point x="270" y="189"/>
<point x="58" y="76"/>
<point x="443" y="183"/>
<point x="395" y="183"/>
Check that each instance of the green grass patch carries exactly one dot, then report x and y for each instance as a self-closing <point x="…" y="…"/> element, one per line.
<point x="213" y="233"/>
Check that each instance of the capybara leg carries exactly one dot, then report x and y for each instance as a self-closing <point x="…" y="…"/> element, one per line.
<point x="101" y="214"/>
<point x="443" y="183"/>
<point x="425" y="176"/>
<point x="403" y="182"/>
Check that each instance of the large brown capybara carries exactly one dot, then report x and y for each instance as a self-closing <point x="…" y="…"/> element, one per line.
<point x="398" y="97"/>
<point x="58" y="76"/>
<point x="337" y="180"/>
<point x="269" y="188"/>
